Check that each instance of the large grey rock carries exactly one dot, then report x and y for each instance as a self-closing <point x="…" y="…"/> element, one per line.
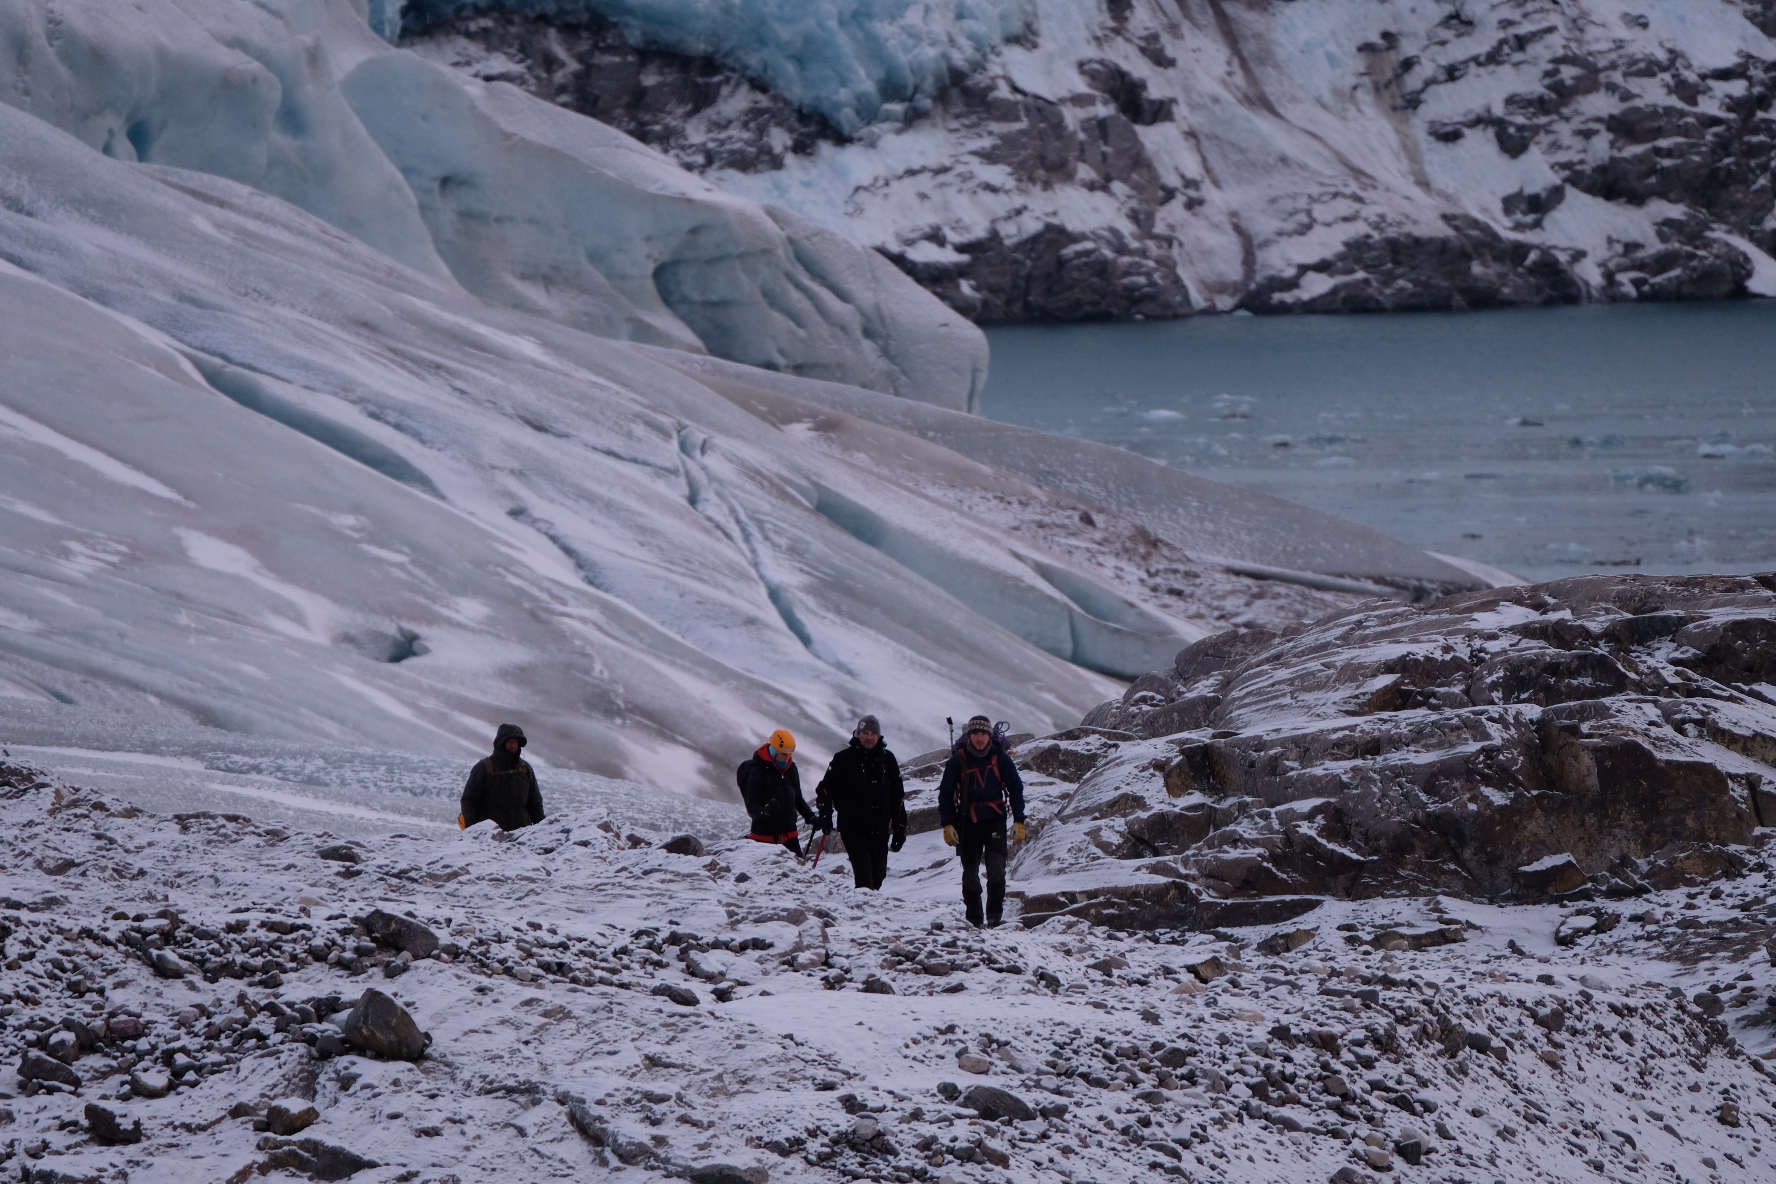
<point x="106" y="1126"/>
<point x="382" y="1026"/>
<point x="993" y="1104"/>
<point x="168" y="964"/>
<point x="401" y="933"/>
<point x="290" y="1116"/>
<point x="150" y="1083"/>
<point x="36" y="1066"/>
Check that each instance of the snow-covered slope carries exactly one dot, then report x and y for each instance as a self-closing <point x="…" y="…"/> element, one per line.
<point x="1159" y="157"/>
<point x="602" y="1012"/>
<point x="263" y="480"/>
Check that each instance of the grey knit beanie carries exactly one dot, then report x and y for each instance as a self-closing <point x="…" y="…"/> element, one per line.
<point x="869" y="723"/>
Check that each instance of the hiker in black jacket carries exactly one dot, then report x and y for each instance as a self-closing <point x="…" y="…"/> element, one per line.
<point x="980" y="793"/>
<point x="503" y="787"/>
<point x="862" y="785"/>
<point x="771" y="787"/>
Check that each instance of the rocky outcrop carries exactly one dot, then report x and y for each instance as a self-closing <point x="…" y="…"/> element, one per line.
<point x="1594" y="737"/>
<point x="1155" y="159"/>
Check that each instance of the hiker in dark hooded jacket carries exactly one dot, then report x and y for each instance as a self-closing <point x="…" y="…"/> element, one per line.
<point x="862" y="784"/>
<point x="980" y="793"/>
<point x="771" y="787"/>
<point x="503" y="787"/>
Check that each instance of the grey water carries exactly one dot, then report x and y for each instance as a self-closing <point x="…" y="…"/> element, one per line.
<point x="1548" y="442"/>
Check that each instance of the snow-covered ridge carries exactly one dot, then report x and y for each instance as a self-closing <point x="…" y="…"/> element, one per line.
<point x="1161" y="157"/>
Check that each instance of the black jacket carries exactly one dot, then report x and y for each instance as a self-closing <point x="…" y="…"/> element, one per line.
<point x="773" y="796"/>
<point x="863" y="785"/>
<point x="504" y="788"/>
<point x="976" y="789"/>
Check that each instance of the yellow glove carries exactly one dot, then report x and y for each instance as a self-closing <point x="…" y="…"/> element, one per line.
<point x="1018" y="829"/>
<point x="950" y="836"/>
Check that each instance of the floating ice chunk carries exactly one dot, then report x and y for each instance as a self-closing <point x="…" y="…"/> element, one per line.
<point x="1659" y="478"/>
<point x="1721" y="450"/>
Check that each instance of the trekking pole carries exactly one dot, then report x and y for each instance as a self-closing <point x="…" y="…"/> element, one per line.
<point x="818" y="852"/>
<point x="952" y="724"/>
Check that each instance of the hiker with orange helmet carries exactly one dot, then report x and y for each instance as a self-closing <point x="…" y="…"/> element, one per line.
<point x="771" y="787"/>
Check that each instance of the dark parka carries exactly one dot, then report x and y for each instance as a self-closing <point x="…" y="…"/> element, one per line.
<point x="773" y="796"/>
<point x="503" y="787"/>
<point x="863" y="785"/>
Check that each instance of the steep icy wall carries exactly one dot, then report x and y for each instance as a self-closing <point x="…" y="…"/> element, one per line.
<point x="521" y="206"/>
<point x="1161" y="157"/>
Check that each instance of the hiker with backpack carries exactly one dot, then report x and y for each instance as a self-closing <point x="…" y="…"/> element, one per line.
<point x="980" y="793"/>
<point x="503" y="787"/>
<point x="862" y="785"/>
<point x="771" y="787"/>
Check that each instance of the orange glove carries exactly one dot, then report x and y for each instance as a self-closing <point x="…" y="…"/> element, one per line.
<point x="1018" y="829"/>
<point x="950" y="836"/>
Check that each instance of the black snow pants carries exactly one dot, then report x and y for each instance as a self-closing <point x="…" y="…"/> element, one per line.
<point x="975" y="841"/>
<point x="869" y="856"/>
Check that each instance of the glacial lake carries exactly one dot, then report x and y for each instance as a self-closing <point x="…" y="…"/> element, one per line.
<point x="1548" y="442"/>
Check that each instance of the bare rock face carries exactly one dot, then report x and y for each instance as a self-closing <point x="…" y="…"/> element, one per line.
<point x="1116" y="187"/>
<point x="1592" y="737"/>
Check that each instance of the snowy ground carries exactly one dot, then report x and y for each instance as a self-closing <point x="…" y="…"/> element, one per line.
<point x="1504" y="1055"/>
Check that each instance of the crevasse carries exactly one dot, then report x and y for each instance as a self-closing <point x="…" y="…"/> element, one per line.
<point x="853" y="61"/>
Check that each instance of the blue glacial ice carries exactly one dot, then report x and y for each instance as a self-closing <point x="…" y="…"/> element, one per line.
<point x="519" y="202"/>
<point x="853" y="61"/>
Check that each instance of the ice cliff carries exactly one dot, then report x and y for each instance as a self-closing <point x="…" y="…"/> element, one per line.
<point x="1156" y="158"/>
<point x="351" y="403"/>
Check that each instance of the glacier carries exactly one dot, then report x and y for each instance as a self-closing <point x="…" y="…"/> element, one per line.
<point x="354" y="420"/>
<point x="856" y="62"/>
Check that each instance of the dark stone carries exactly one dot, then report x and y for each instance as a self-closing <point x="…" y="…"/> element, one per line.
<point x="877" y="986"/>
<point x="683" y="996"/>
<point x="993" y="1103"/>
<point x="1709" y="1004"/>
<point x="949" y="1091"/>
<point x="125" y="1027"/>
<point x="312" y="1158"/>
<point x="290" y="1117"/>
<point x="36" y="1066"/>
<point x="341" y="853"/>
<point x="1053" y="1110"/>
<point x="106" y="1127"/>
<point x="401" y="933"/>
<point x="381" y="1026"/>
<point x="167" y="964"/>
<point x="683" y="845"/>
<point x="727" y="1173"/>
